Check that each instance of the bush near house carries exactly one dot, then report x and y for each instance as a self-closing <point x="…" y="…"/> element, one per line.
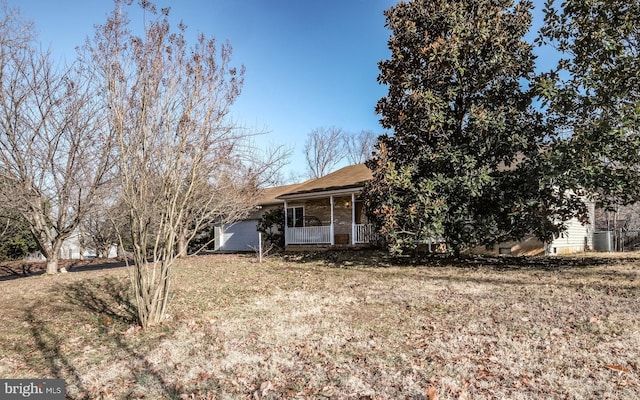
<point x="271" y="226"/>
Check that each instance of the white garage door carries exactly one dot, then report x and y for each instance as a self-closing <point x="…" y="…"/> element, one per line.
<point x="241" y="236"/>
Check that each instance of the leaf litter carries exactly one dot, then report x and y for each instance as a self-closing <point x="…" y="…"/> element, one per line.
<point x="302" y="328"/>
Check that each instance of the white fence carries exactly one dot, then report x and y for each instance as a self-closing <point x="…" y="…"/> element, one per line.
<point x="363" y="233"/>
<point x="309" y="235"/>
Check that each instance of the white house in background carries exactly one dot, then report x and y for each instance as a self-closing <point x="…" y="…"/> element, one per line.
<point x="327" y="212"/>
<point x="577" y="238"/>
<point x="72" y="250"/>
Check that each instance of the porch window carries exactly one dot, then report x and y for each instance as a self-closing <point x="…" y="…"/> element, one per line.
<point x="295" y="217"/>
<point x="358" y="212"/>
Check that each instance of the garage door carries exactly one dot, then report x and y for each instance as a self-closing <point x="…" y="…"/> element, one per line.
<point x="240" y="236"/>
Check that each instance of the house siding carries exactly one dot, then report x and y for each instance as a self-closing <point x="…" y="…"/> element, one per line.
<point x="574" y="240"/>
<point x="578" y="237"/>
<point x="240" y="236"/>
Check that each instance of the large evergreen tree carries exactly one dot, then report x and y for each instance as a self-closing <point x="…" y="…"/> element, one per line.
<point x="593" y="95"/>
<point x="462" y="162"/>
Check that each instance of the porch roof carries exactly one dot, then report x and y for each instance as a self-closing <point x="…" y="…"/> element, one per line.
<point x="348" y="179"/>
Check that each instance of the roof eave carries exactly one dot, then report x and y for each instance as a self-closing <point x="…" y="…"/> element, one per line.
<point x="321" y="193"/>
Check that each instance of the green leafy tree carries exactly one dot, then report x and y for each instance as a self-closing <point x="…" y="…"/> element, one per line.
<point x="463" y="162"/>
<point x="593" y="95"/>
<point x="272" y="227"/>
<point x="16" y="239"/>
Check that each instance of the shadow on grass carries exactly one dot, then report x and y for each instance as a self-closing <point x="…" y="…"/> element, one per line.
<point x="51" y="346"/>
<point x="23" y="269"/>
<point x="571" y="272"/>
<point x="108" y="297"/>
<point x="382" y="259"/>
<point x="109" y="307"/>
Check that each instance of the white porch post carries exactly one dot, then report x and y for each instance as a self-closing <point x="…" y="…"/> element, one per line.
<point x="331" y="230"/>
<point x="286" y="237"/>
<point x="353" y="218"/>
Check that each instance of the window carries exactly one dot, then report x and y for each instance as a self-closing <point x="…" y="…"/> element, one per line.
<point x="358" y="214"/>
<point x="295" y="217"/>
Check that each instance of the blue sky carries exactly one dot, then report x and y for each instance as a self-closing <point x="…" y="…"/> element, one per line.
<point x="309" y="63"/>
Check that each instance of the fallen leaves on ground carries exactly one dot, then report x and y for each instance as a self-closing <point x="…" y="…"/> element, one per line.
<point x="303" y="328"/>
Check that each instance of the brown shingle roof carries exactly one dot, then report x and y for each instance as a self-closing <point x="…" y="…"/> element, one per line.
<point x="270" y="195"/>
<point x="352" y="176"/>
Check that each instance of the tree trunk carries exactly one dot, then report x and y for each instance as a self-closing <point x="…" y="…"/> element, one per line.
<point x="52" y="265"/>
<point x="182" y="244"/>
<point x="151" y="291"/>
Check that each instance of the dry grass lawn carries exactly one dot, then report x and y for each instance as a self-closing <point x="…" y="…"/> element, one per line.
<point x="354" y="327"/>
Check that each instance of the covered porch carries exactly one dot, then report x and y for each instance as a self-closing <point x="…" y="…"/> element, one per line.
<point x="361" y="234"/>
<point x="330" y="219"/>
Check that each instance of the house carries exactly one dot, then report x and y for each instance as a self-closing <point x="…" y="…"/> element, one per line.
<point x="328" y="211"/>
<point x="243" y="235"/>
<point x="576" y="238"/>
<point x="73" y="249"/>
<point x="320" y="212"/>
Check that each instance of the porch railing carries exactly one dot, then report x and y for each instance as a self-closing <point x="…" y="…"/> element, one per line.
<point x="308" y="235"/>
<point x="363" y="233"/>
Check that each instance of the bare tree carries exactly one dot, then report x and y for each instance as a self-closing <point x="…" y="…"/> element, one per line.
<point x="324" y="149"/>
<point x="54" y="152"/>
<point x="101" y="226"/>
<point x="359" y="146"/>
<point x="182" y="163"/>
<point x="233" y="194"/>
